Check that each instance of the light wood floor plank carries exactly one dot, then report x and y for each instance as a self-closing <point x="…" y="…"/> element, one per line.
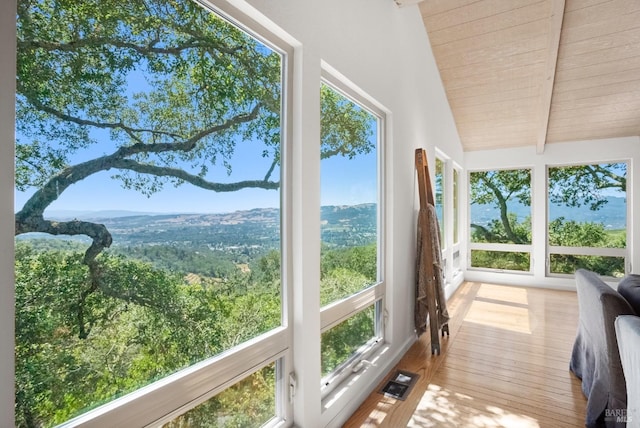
<point x="505" y="364"/>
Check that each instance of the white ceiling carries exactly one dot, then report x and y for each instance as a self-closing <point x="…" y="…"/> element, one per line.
<point x="536" y="72"/>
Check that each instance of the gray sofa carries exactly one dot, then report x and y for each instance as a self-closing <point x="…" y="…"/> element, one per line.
<point x="595" y="358"/>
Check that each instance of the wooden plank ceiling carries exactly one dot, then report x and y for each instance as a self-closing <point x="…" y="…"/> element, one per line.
<point x="535" y="72"/>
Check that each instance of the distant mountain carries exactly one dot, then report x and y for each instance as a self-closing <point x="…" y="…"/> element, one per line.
<point x="613" y="214"/>
<point x="62" y="215"/>
<point x="348" y="225"/>
<point x="250" y="229"/>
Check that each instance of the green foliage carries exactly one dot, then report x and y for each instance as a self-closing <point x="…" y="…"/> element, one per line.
<point x="250" y="402"/>
<point x="193" y="71"/>
<point x="561" y="233"/>
<point x="495" y="232"/>
<point x="340" y="283"/>
<point x="157" y="92"/>
<point x="573" y="234"/>
<point x="602" y="265"/>
<point x="143" y="325"/>
<point x="571" y="186"/>
<point x="501" y="185"/>
<point x="339" y="343"/>
<point x="146" y="323"/>
<point x="501" y="260"/>
<point x="361" y="259"/>
<point x="346" y="128"/>
<point x="183" y="259"/>
<point x="499" y="188"/>
<point x="346" y="271"/>
<point x="576" y="186"/>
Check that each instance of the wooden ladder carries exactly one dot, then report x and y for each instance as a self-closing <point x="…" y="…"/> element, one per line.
<point x="425" y="190"/>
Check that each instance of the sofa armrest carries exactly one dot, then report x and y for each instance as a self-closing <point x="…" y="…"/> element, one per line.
<point x="628" y="334"/>
<point x="595" y="358"/>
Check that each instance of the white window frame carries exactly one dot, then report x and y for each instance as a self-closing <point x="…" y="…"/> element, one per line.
<point x="587" y="251"/>
<point x="446" y="238"/>
<point x="507" y="248"/>
<point x="334" y="313"/>
<point x="445" y="224"/>
<point x="456" y="262"/>
<point x="167" y="398"/>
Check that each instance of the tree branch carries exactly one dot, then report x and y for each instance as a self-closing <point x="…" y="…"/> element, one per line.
<point x="97" y="232"/>
<point x="51" y="190"/>
<point x="87" y="122"/>
<point x="198" y="181"/>
<point x="502" y="205"/>
<point x="271" y="168"/>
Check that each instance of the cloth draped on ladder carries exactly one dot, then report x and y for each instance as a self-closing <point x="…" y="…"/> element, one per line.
<point x="430" y="298"/>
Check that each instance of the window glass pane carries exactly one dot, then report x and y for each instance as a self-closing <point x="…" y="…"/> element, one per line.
<point x="343" y="340"/>
<point x="568" y="263"/>
<point x="439" y="198"/>
<point x="588" y="205"/>
<point x="249" y="403"/>
<point x="147" y="197"/>
<point x="456" y="204"/>
<point x="500" y="260"/>
<point x="349" y="196"/>
<point x="501" y="206"/>
<point x="500" y="213"/>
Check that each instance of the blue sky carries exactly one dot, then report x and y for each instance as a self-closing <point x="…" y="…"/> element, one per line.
<point x="344" y="182"/>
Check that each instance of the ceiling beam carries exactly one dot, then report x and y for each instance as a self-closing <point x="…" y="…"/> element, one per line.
<point x="544" y="108"/>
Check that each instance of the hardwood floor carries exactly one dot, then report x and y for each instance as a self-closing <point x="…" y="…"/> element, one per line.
<point x="505" y="364"/>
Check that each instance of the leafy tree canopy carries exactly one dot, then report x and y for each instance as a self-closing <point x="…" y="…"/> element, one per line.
<point x="163" y="91"/>
<point x="572" y="186"/>
<point x="499" y="187"/>
<point x="576" y="186"/>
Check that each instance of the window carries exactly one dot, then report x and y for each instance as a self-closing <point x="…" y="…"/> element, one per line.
<point x="249" y="403"/>
<point x="446" y="195"/>
<point x="456" y="220"/>
<point x="149" y="189"/>
<point x="456" y="205"/>
<point x="351" y="286"/>
<point x="587" y="218"/>
<point x="439" y="196"/>
<point x="501" y="219"/>
<point x="352" y="334"/>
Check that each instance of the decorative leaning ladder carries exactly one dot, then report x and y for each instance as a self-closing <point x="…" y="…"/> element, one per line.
<point x="429" y="300"/>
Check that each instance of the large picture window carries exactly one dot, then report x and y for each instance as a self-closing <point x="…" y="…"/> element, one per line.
<point x="351" y="287"/>
<point x="149" y="148"/>
<point x="587" y="218"/>
<point x="501" y="219"/>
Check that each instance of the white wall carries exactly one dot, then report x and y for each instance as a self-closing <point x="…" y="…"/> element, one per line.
<point x="383" y="50"/>
<point x="613" y="149"/>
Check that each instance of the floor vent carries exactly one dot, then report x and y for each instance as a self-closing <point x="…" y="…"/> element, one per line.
<point x="399" y="385"/>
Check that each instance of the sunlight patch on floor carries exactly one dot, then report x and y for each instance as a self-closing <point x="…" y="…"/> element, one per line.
<point x="440" y="407"/>
<point x="502" y="307"/>
<point x="503" y="293"/>
<point x="500" y="316"/>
